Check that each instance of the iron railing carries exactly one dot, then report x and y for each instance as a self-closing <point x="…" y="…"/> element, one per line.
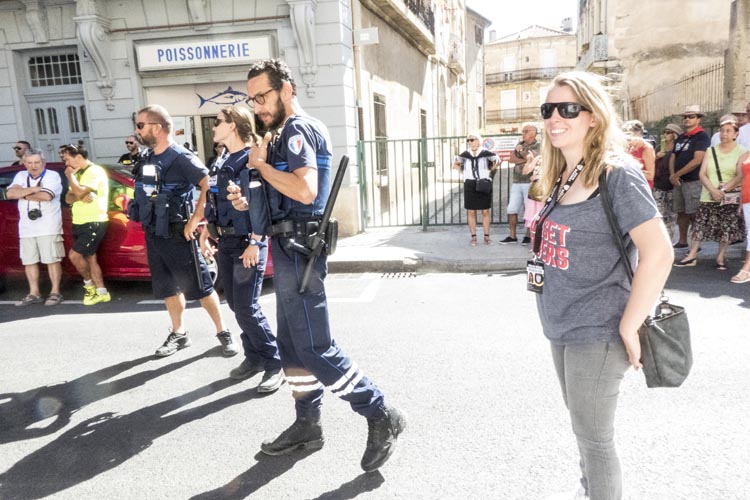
<point x="526" y="74"/>
<point x="423" y="10"/>
<point x="704" y="88"/>
<point x="411" y="182"/>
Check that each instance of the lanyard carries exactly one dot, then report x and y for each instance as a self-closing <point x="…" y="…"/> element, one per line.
<point x="552" y="200"/>
<point x="39" y="183"/>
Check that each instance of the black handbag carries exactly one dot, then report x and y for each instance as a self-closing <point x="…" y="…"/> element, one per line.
<point x="666" y="353"/>
<point x="483" y="186"/>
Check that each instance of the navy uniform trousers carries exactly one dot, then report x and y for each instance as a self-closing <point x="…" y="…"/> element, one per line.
<point x="242" y="287"/>
<point x="305" y="342"/>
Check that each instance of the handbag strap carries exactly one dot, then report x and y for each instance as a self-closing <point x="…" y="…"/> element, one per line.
<point x="716" y="163"/>
<point x="614" y="226"/>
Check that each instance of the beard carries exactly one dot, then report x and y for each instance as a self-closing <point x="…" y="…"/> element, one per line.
<point x="278" y="117"/>
<point x="147" y="140"/>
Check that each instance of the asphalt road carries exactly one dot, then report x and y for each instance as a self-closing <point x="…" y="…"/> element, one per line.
<point x="87" y="413"/>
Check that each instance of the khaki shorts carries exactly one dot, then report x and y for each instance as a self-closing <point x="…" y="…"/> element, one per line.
<point x="686" y="197"/>
<point x="45" y="249"/>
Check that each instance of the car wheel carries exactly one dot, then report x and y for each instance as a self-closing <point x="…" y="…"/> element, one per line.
<point x="213" y="270"/>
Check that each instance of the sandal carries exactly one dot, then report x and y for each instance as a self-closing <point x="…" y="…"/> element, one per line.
<point x="473" y="240"/>
<point x="29" y="299"/>
<point x="53" y="299"/>
<point x="487" y="239"/>
<point x="720" y="266"/>
<point x="741" y="277"/>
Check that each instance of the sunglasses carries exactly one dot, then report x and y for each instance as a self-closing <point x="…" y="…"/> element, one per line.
<point x="219" y="121"/>
<point x="129" y="142"/>
<point x="669" y="132"/>
<point x="689" y="117"/>
<point x="471" y="139"/>
<point x="140" y="125"/>
<point x="258" y="99"/>
<point x="17" y="148"/>
<point x="567" y="110"/>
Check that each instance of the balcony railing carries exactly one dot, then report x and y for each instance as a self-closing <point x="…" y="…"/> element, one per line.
<point x="513" y="115"/>
<point x="527" y="74"/>
<point x="422" y="9"/>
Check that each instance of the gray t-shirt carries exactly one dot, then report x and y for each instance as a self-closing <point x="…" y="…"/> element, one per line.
<point x="586" y="287"/>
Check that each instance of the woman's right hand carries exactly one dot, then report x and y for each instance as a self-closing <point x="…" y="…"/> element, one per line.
<point x="633" y="346"/>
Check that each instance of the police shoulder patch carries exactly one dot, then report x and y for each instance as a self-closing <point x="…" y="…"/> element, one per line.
<point x="295" y="143"/>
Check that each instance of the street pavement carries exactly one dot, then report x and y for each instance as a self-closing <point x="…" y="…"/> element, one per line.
<point x="86" y="411"/>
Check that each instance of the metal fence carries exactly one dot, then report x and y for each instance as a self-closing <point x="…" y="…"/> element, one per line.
<point x="704" y="87"/>
<point x="411" y="182"/>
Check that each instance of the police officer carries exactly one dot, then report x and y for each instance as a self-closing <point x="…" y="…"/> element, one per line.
<point x="163" y="204"/>
<point x="298" y="168"/>
<point x="243" y="249"/>
<point x="134" y="157"/>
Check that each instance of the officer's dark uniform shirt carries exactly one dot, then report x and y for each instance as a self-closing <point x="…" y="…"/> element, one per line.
<point x="253" y="220"/>
<point x="304" y="142"/>
<point x="180" y="171"/>
<point x="684" y="151"/>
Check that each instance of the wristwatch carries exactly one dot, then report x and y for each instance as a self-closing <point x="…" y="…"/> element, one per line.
<point x="253" y="241"/>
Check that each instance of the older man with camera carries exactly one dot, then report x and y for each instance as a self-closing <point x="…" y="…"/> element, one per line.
<point x="38" y="192"/>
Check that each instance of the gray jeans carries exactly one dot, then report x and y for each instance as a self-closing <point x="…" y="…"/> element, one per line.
<point x="590" y="376"/>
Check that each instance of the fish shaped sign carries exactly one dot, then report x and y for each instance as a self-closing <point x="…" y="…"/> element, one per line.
<point x="226" y="97"/>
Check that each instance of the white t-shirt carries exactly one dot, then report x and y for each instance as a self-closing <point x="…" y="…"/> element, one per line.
<point x="744" y="138"/>
<point x="51" y="220"/>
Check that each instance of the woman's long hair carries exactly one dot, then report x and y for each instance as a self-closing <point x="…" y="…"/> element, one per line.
<point x="244" y="120"/>
<point x="604" y="144"/>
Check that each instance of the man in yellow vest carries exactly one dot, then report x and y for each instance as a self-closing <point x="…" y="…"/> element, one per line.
<point x="88" y="195"/>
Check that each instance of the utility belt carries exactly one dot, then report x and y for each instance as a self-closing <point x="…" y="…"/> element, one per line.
<point x="217" y="231"/>
<point x="299" y="233"/>
<point x="175" y="229"/>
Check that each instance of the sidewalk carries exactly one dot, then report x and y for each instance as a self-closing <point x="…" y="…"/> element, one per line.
<point x="446" y="249"/>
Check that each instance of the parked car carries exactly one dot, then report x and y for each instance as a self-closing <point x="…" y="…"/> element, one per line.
<point x="122" y="254"/>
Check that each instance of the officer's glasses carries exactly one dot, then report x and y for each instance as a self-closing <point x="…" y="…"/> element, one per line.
<point x="258" y="99"/>
<point x="140" y="125"/>
<point x="567" y="110"/>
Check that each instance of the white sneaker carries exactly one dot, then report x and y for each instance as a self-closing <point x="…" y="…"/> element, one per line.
<point x="578" y="494"/>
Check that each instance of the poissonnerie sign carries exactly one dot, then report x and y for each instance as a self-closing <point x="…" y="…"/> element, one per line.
<point x="170" y="54"/>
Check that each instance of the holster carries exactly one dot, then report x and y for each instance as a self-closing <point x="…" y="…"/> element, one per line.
<point x="302" y="232"/>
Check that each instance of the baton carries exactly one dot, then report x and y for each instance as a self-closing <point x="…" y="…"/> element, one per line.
<point x="317" y="240"/>
<point x="194" y="246"/>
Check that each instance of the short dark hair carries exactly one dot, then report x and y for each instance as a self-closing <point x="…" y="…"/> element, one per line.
<point x="28" y="144"/>
<point x="159" y="114"/>
<point x="277" y="70"/>
<point x="75" y="150"/>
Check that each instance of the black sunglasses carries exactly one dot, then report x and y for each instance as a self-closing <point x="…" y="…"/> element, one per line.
<point x="689" y="117"/>
<point x="568" y="110"/>
<point x="17" y="148"/>
<point x="219" y="121"/>
<point x="129" y="142"/>
<point x="140" y="125"/>
<point x="471" y="139"/>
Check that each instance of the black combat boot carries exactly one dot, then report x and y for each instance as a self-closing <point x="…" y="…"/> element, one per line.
<point x="383" y="432"/>
<point x="304" y="433"/>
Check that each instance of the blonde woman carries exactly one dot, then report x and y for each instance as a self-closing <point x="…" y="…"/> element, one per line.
<point x="587" y="307"/>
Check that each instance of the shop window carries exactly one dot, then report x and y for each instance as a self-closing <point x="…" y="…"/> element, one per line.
<point x="54" y="70"/>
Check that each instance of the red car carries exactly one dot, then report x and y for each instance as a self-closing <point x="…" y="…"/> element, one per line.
<point x="122" y="254"/>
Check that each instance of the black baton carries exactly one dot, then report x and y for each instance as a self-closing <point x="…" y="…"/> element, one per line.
<point x="317" y="241"/>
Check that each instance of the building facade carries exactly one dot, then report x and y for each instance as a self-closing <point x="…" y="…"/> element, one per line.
<point x="519" y="69"/>
<point x="661" y="56"/>
<point x="77" y="70"/>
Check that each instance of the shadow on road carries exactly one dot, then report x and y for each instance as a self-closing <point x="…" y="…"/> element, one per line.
<point x="352" y="489"/>
<point x="104" y="442"/>
<point x="19" y="411"/>
<point x="263" y="472"/>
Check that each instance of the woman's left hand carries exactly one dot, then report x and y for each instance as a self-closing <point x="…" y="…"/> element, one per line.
<point x="716" y="194"/>
<point x="633" y="346"/>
